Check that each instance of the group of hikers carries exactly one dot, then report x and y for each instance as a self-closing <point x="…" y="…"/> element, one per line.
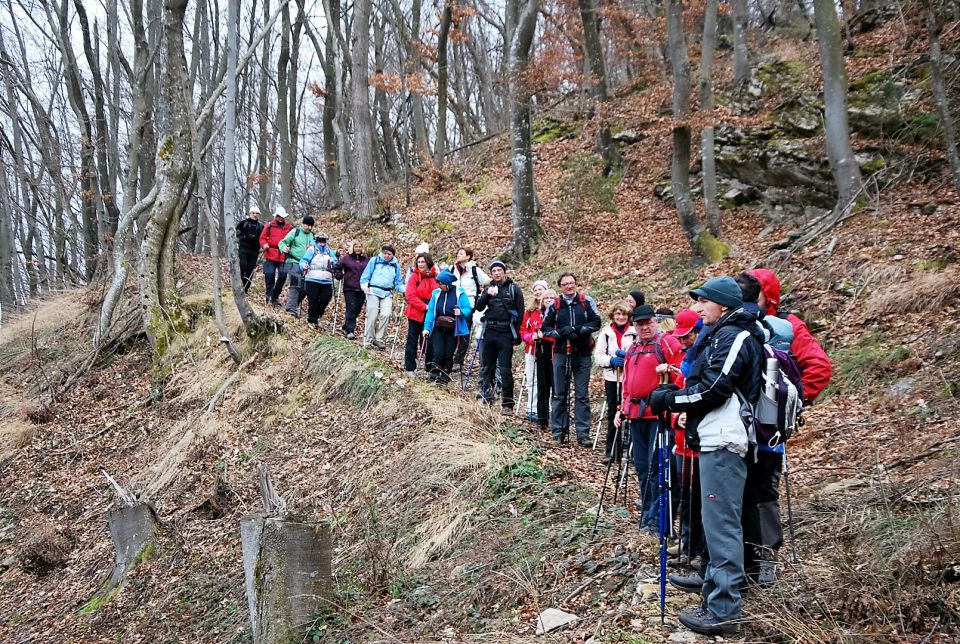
<point x="727" y="377"/>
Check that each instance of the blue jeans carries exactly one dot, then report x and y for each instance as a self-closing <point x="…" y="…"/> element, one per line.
<point x="722" y="477"/>
<point x="643" y="436"/>
<point x="274" y="271"/>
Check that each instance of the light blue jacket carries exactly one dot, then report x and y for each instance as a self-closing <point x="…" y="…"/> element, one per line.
<point x="463" y="303"/>
<point x="316" y="270"/>
<point x="382" y="277"/>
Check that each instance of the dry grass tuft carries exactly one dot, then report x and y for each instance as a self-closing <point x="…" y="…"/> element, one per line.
<point x="46" y="546"/>
<point x="928" y="292"/>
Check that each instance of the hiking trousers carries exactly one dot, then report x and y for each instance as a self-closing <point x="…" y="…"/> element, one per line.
<point x="560" y="414"/>
<point x="530" y="373"/>
<point x="643" y="435"/>
<point x="379" y="310"/>
<point x="544" y="382"/>
<point x="318" y="297"/>
<point x="274" y="277"/>
<point x="414" y="335"/>
<point x="354" y="304"/>
<point x="296" y="292"/>
<point x="248" y="263"/>
<point x="497" y="350"/>
<point x="722" y="478"/>
<point x="443" y="344"/>
<point x="762" y="530"/>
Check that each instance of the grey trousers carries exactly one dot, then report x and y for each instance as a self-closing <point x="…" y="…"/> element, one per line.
<point x="722" y="476"/>
<point x="560" y="415"/>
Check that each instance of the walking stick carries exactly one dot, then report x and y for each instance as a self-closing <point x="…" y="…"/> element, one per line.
<point x="523" y="385"/>
<point x="567" y="373"/>
<point x="396" y="331"/>
<point x="422" y="351"/>
<point x="664" y="510"/>
<point x="473" y="360"/>
<point x="786" y="480"/>
<point x="603" y="490"/>
<point x="336" y="307"/>
<point x="603" y="411"/>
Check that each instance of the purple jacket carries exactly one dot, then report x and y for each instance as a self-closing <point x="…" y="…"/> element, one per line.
<point x="350" y="269"/>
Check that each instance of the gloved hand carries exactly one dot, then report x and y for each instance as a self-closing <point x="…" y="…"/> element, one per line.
<point x="661" y="399"/>
<point x="568" y="332"/>
<point x="616" y="361"/>
<point x="583" y="330"/>
<point x="621" y="353"/>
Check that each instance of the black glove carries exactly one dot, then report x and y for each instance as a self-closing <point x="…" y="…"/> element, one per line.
<point x="661" y="399"/>
<point x="568" y="332"/>
<point x="583" y="330"/>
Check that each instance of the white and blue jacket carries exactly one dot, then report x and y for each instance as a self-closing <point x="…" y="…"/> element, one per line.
<point x="382" y="277"/>
<point x="318" y="263"/>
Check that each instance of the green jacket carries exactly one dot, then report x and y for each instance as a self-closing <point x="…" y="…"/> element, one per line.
<point x="295" y="244"/>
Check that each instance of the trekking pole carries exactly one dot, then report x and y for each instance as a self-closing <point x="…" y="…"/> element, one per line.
<point x="567" y="373"/>
<point x="786" y="480"/>
<point x="603" y="411"/>
<point x="625" y="461"/>
<point x="473" y="360"/>
<point x="422" y="351"/>
<point x="396" y="330"/>
<point x="603" y="490"/>
<point x="662" y="449"/>
<point x="336" y="307"/>
<point x="523" y="385"/>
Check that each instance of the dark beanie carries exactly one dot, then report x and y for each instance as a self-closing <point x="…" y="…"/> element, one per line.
<point x="638" y="297"/>
<point x="644" y="312"/>
<point x="308" y="220"/>
<point x="723" y="290"/>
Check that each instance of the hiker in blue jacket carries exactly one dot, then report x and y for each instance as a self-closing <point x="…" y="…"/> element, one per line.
<point x="317" y="265"/>
<point x="380" y="279"/>
<point x="446" y="324"/>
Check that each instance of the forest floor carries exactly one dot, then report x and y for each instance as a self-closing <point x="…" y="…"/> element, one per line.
<point x="452" y="523"/>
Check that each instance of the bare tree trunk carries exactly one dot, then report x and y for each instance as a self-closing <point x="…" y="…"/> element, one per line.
<point x="284" y="99"/>
<point x="263" y="113"/>
<point x="708" y="159"/>
<point x="527" y="232"/>
<point x="846" y="170"/>
<point x="940" y="95"/>
<point x="492" y="118"/>
<point x="597" y="79"/>
<point x="364" y="198"/>
<point x="391" y="156"/>
<point x="680" y="165"/>
<point x="420" y="139"/>
<point x="741" y="53"/>
<point x="331" y="164"/>
<point x="440" y="147"/>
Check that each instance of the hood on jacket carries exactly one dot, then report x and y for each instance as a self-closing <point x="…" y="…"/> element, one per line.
<point x="770" y="286"/>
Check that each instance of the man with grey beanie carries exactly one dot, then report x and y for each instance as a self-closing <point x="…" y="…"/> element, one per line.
<point x="727" y="372"/>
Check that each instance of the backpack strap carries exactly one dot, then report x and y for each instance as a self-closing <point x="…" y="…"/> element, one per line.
<point x="476" y="280"/>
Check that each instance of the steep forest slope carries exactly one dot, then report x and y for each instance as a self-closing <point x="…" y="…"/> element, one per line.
<point x="452" y="523"/>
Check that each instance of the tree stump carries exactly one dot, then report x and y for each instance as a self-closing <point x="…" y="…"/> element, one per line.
<point x="286" y="567"/>
<point x="132" y="529"/>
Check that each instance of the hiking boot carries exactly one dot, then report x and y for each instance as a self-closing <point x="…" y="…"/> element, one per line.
<point x="678" y="562"/>
<point x="690" y="582"/>
<point x="351" y="336"/>
<point x="699" y="620"/>
<point x="674" y="550"/>
<point x="768" y="573"/>
<point x="606" y="460"/>
<point x="584" y="442"/>
<point x="410" y="374"/>
<point x="695" y="563"/>
<point x="378" y="344"/>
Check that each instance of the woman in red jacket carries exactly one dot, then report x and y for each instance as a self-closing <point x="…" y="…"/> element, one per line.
<point x="532" y="321"/>
<point x="420" y="286"/>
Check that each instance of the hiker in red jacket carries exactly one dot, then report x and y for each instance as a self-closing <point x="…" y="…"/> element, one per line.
<point x="814" y="363"/>
<point x="651" y="348"/>
<point x="274" y="267"/>
<point x="420" y="287"/>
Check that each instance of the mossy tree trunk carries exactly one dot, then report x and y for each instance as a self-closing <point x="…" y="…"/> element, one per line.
<point x="708" y="158"/>
<point x="155" y="266"/>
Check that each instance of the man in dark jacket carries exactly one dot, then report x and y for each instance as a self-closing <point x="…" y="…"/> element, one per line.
<point x="729" y="368"/>
<point x="248" y="245"/>
<point x="501" y="303"/>
<point x="349" y="270"/>
<point x="571" y="321"/>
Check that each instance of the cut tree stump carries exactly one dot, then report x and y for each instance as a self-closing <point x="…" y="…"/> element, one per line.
<point x="286" y="567"/>
<point x="133" y="530"/>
